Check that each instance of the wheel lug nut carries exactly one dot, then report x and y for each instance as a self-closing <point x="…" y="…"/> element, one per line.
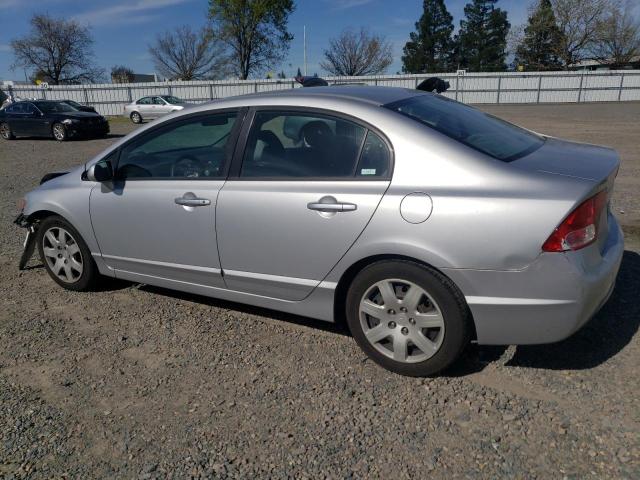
<point x="404" y="331"/>
<point x="391" y="311"/>
<point x="403" y="309"/>
<point x="392" y="325"/>
<point x="412" y="321"/>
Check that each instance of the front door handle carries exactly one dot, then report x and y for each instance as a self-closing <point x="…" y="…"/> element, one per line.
<point x="331" y="205"/>
<point x="192" y="201"/>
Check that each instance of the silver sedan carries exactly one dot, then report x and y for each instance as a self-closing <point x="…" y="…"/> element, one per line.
<point x="154" y="106"/>
<point x="422" y="223"/>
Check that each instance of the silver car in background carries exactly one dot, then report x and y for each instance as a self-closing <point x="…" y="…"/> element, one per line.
<point x="423" y="223"/>
<point x="154" y="106"/>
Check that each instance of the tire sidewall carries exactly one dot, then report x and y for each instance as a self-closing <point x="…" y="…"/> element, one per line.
<point x="445" y="294"/>
<point x="89" y="269"/>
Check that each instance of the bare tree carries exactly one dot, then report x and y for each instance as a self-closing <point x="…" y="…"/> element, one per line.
<point x="58" y="50"/>
<point x="185" y="54"/>
<point x="122" y="74"/>
<point x="357" y="53"/>
<point x="578" y="21"/>
<point x="618" y="36"/>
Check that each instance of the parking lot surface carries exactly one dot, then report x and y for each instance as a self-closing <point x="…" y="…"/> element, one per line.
<point x="134" y="381"/>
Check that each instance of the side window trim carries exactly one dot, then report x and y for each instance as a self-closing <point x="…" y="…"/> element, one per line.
<point x="243" y="140"/>
<point x="231" y="143"/>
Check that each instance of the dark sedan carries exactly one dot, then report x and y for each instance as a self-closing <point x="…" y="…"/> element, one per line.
<point x="49" y="118"/>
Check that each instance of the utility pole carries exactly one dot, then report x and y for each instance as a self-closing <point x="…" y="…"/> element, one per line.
<point x="304" y="47"/>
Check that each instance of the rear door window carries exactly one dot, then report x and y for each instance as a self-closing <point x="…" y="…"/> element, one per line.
<point x="470" y="126"/>
<point x="313" y="146"/>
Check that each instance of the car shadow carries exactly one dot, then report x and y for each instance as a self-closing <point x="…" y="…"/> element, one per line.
<point x="337" y="328"/>
<point x="606" y="334"/>
<point x="602" y="337"/>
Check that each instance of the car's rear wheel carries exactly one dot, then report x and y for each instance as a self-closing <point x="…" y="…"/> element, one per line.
<point x="59" y="132"/>
<point x="408" y="318"/>
<point x="65" y="255"/>
<point x="136" y="117"/>
<point x="5" y="131"/>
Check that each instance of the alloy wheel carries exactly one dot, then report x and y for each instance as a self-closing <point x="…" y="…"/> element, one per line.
<point x="4" y="131"/>
<point x="136" y="118"/>
<point x="401" y="321"/>
<point x="59" y="132"/>
<point x="62" y="254"/>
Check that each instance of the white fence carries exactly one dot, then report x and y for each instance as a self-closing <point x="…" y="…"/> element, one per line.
<point x="530" y="87"/>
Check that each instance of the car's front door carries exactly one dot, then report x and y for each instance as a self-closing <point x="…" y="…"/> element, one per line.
<point x="161" y="106"/>
<point x="35" y="122"/>
<point x="157" y="218"/>
<point x="297" y="198"/>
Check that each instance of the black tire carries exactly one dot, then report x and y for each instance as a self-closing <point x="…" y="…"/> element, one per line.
<point x="135" y="117"/>
<point x="5" y="131"/>
<point x="89" y="276"/>
<point x="59" y="132"/>
<point x="449" y="299"/>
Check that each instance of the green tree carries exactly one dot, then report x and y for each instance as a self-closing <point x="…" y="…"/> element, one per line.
<point x="539" y="47"/>
<point x="430" y="47"/>
<point x="255" y="32"/>
<point x="481" y="44"/>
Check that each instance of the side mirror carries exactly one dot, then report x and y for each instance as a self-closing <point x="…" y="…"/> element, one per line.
<point x="100" y="172"/>
<point x="36" y="114"/>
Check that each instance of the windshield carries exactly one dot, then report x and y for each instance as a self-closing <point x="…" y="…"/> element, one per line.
<point x="55" y="107"/>
<point x="173" y="100"/>
<point x="481" y="131"/>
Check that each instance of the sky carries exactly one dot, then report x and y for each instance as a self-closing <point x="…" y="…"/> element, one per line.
<point x="122" y="29"/>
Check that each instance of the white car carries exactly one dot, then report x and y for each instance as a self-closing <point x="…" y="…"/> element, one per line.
<point x="151" y="107"/>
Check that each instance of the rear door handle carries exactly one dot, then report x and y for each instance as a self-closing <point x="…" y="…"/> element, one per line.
<point x="192" y="202"/>
<point x="330" y="204"/>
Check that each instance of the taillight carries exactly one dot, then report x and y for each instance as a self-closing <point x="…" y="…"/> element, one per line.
<point x="580" y="228"/>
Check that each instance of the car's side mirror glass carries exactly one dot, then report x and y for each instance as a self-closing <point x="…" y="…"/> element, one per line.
<point x="101" y="171"/>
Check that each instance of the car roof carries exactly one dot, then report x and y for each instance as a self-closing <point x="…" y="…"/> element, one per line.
<point x="368" y="94"/>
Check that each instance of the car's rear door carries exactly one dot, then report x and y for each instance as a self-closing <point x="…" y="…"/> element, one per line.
<point x="303" y="186"/>
<point x="145" y="107"/>
<point x="16" y="119"/>
<point x="157" y="219"/>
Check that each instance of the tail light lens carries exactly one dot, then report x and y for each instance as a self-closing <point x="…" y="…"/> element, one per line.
<point x="580" y="228"/>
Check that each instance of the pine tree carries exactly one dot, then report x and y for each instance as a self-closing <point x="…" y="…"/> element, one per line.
<point x="481" y="45"/>
<point x="542" y="39"/>
<point x="430" y="47"/>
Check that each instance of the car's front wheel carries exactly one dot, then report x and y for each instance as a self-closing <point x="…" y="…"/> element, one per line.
<point x="65" y="255"/>
<point x="59" y="132"/>
<point x="5" y="131"/>
<point x="408" y="318"/>
<point x="136" y="117"/>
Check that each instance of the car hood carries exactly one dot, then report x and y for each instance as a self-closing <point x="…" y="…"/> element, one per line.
<point x="76" y="115"/>
<point x="571" y="159"/>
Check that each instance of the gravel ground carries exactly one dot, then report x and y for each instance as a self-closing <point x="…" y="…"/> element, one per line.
<point x="138" y="382"/>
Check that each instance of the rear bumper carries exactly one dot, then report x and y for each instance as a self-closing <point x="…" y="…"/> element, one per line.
<point x="547" y="301"/>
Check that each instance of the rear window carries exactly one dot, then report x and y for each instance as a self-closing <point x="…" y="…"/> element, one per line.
<point x="481" y="131"/>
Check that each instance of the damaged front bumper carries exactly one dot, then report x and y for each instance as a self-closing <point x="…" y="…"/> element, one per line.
<point x="29" y="241"/>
